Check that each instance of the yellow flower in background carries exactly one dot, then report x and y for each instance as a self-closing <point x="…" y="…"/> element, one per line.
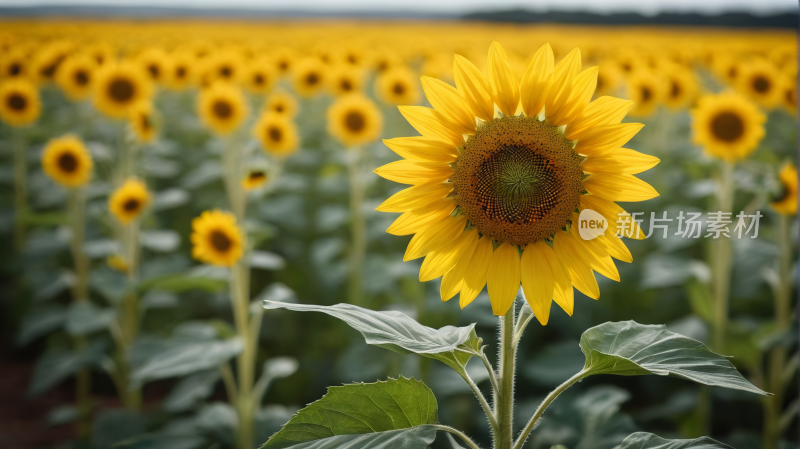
<point x="47" y="59"/>
<point x="118" y="87"/>
<point x="760" y="80"/>
<point x="19" y="102"/>
<point x="259" y="76"/>
<point x="727" y="68"/>
<point x="727" y="125"/>
<point x="786" y="201"/>
<point x="181" y="70"/>
<point x="222" y="107"/>
<point x="680" y="87"/>
<point x="345" y="79"/>
<point x="397" y="86"/>
<point x="255" y="178"/>
<point x="14" y="64"/>
<point x="101" y="52"/>
<point x="75" y="75"/>
<point x="216" y="239"/>
<point x="277" y="133"/>
<point x="609" y="79"/>
<point x="67" y="161"/>
<point x="499" y="172"/>
<point x="354" y="120"/>
<point x="142" y="122"/>
<point x="308" y="77"/>
<point x="118" y="263"/>
<point x="282" y="103"/>
<point x="386" y="59"/>
<point x="128" y="201"/>
<point x="646" y="90"/>
<point x="226" y="65"/>
<point x="155" y="63"/>
<point x="283" y="60"/>
<point x="789" y="93"/>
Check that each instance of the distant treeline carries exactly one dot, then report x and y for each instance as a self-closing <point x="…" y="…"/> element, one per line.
<point x="730" y="19"/>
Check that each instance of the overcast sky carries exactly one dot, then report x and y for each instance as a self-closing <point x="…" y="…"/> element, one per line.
<point x="452" y="6"/>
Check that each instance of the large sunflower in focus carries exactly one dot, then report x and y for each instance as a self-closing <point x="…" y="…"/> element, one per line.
<point x="216" y="239"/>
<point x="499" y="173"/>
<point x="727" y="125"/>
<point x="222" y="107"/>
<point x="118" y="87"/>
<point x="67" y="161"/>
<point x="19" y="102"/>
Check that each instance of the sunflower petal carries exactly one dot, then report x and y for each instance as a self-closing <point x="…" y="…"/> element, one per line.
<point x="533" y="87"/>
<point x="415" y="173"/>
<point x="435" y="237"/>
<point x="582" y="91"/>
<point x="431" y="123"/>
<point x="477" y="271"/>
<point x="602" y="111"/>
<point x="619" y="187"/>
<point x="453" y="281"/>
<point x="446" y="99"/>
<point x="503" y="278"/>
<point x="422" y="149"/>
<point x="615" y="247"/>
<point x="563" y="294"/>
<point x="538" y="282"/>
<point x="505" y="89"/>
<point x="596" y="256"/>
<point x="417" y="220"/>
<point x="604" y="139"/>
<point x="439" y="262"/>
<point x="561" y="81"/>
<point x="614" y="213"/>
<point x="581" y="274"/>
<point x="415" y="197"/>
<point x="473" y="87"/>
<point x="621" y="160"/>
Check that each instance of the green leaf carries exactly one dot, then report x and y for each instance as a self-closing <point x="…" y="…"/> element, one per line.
<point x="361" y="409"/>
<point x="397" y="332"/>
<point x="58" y="364"/>
<point x="190" y="390"/>
<point x="628" y="348"/>
<point x="644" y="440"/>
<point x="178" y="283"/>
<point x="700" y="300"/>
<point x="39" y="322"/>
<point x="419" y="437"/>
<point x="85" y="318"/>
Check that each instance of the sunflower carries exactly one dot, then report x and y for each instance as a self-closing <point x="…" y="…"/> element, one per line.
<point x="181" y="70"/>
<point x="282" y="103"/>
<point x="608" y="79"/>
<point x="155" y="63"/>
<point x="397" y="86"/>
<point x="128" y="201"/>
<point x="277" y="134"/>
<point x="222" y="107"/>
<point x="47" y="59"/>
<point x="101" y="52"/>
<point x="786" y="202"/>
<point x="283" y="60"/>
<point x="727" y="68"/>
<point x="226" y="65"/>
<point x="67" y="161"/>
<point x="75" y="75"/>
<point x="259" y="76"/>
<point x="789" y="93"/>
<point x="345" y="79"/>
<point x="19" y="102"/>
<point x="216" y="239"/>
<point x="760" y="81"/>
<point x="308" y="77"/>
<point x="142" y="121"/>
<point x="118" y="87"/>
<point x="386" y="59"/>
<point x="354" y="120"/>
<point x="14" y="64"/>
<point x="646" y="90"/>
<point x="118" y="263"/>
<point x="681" y="87"/>
<point x="255" y="178"/>
<point x="727" y="125"/>
<point x="499" y="172"/>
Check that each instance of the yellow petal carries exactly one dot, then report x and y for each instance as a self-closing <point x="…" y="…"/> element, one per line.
<point x="453" y="280"/>
<point x="435" y="237"/>
<point x="503" y="278"/>
<point x="581" y="93"/>
<point x="416" y="220"/>
<point x="474" y="88"/>
<point x="615" y="246"/>
<point x="596" y="256"/>
<point x="604" y="139"/>
<point x="505" y="89"/>
<point x="437" y="263"/>
<point x="415" y="197"/>
<point x="431" y="123"/>
<point x="621" y="160"/>
<point x="538" y="282"/>
<point x="422" y="149"/>
<point x="619" y="187"/>
<point x="561" y="81"/>
<point x="602" y="111"/>
<point x="533" y="87"/>
<point x="446" y="99"/>
<point x="476" y="272"/>
<point x="579" y="271"/>
<point x="415" y="173"/>
<point x="562" y="291"/>
<point x="614" y="213"/>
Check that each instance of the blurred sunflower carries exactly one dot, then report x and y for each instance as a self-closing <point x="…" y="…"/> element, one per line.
<point x="75" y="75"/>
<point x="283" y="60"/>
<point x="789" y="93"/>
<point x="759" y="80"/>
<point x="47" y="59"/>
<point x="67" y="161"/>
<point x="14" y="64"/>
<point x="727" y="68"/>
<point x="397" y="86"/>
<point x="142" y="122"/>
<point x="181" y="70"/>
<point x="681" y="87"/>
<point x="277" y="134"/>
<point x="608" y="79"/>
<point x="345" y="79"/>
<point x="128" y="201"/>
<point x="259" y="77"/>
<point x="216" y="239"/>
<point x="19" y="102"/>
<point x="255" y="178"/>
<point x="118" y="263"/>
<point x="222" y="107"/>
<point x="155" y="63"/>
<point x="386" y="59"/>
<point x="786" y="201"/>
<point x="118" y="87"/>
<point x="354" y="120"/>
<point x="224" y="65"/>
<point x="727" y="125"/>
<point x="282" y="103"/>
<point x="308" y="77"/>
<point x="646" y="91"/>
<point x="493" y="195"/>
<point x="101" y="52"/>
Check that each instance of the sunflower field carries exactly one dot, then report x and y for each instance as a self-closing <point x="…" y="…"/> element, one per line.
<point x="451" y="196"/>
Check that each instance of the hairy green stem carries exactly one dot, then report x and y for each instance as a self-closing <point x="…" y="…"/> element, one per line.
<point x="467" y="440"/>
<point x="357" y="225"/>
<point x="487" y="409"/>
<point x="504" y="399"/>
<point x="722" y="260"/>
<point x="20" y="188"/>
<point x="543" y="406"/>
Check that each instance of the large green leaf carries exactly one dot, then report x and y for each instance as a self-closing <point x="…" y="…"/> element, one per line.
<point x="644" y="440"/>
<point x="58" y="364"/>
<point x="398" y="332"/>
<point x="419" y="437"/>
<point x="362" y="409"/>
<point x="628" y="348"/>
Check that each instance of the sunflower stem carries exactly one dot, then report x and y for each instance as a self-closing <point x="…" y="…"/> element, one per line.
<point x="357" y="225"/>
<point x="504" y="399"/>
<point x="722" y="259"/>
<point x="20" y="188"/>
<point x="543" y="406"/>
<point x="467" y="440"/>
